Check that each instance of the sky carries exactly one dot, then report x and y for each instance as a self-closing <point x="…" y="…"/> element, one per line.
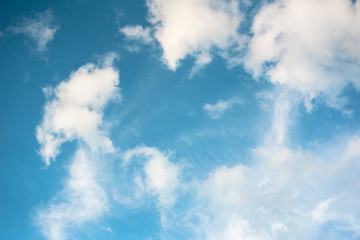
<point x="192" y="119"/>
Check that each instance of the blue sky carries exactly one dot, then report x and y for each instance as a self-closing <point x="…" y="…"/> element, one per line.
<point x="192" y="119"/>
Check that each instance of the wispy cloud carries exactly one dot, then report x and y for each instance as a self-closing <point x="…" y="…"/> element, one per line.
<point x="137" y="33"/>
<point x="218" y="109"/>
<point x="82" y="199"/>
<point x="41" y="29"/>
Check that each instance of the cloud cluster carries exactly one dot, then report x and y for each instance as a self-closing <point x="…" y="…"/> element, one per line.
<point x="309" y="46"/>
<point x="41" y="29"/>
<point x="74" y="110"/>
<point x="284" y="194"/>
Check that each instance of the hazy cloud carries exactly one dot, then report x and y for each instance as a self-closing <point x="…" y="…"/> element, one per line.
<point x="41" y="29"/>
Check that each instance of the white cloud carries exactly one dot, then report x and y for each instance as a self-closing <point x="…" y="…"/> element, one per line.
<point x="74" y="109"/>
<point x="162" y="176"/>
<point x="41" y="29"/>
<point x="137" y="33"/>
<point x="194" y="27"/>
<point x="82" y="199"/>
<point x="319" y="214"/>
<point x="311" y="46"/>
<point x="218" y="109"/>
<point x="108" y="229"/>
<point x="282" y="194"/>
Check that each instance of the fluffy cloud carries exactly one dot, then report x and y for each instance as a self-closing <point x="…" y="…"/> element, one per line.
<point x="137" y="33"/>
<point x="161" y="175"/>
<point x="310" y="46"/>
<point x="82" y="199"/>
<point x="41" y="29"/>
<point x="191" y="27"/>
<point x="217" y="110"/>
<point x="74" y="109"/>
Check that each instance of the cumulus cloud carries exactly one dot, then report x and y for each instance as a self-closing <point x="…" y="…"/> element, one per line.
<point x="137" y="33"/>
<point x="82" y="199"/>
<point x="41" y="29"/>
<point x="218" y="109"/>
<point x="194" y="28"/>
<point x="309" y="46"/>
<point x="161" y="175"/>
<point x="74" y="109"/>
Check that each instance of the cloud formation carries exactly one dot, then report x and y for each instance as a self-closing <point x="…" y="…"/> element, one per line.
<point x="41" y="29"/>
<point x="82" y="199"/>
<point x="137" y="33"/>
<point x="161" y="175"/>
<point x="217" y="110"/>
<point x="194" y="28"/>
<point x="309" y="46"/>
<point x="74" y="109"/>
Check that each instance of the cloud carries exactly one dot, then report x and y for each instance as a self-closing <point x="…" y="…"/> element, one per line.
<point x="194" y="28"/>
<point x="282" y="194"/>
<point x="137" y="33"/>
<point x="82" y="199"/>
<point x="74" y="109"/>
<point x="107" y="229"/>
<point x="41" y="29"/>
<point x="308" y="46"/>
<point x="218" y="109"/>
<point x="161" y="175"/>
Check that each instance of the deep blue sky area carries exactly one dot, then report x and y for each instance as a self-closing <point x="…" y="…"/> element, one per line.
<point x="166" y="119"/>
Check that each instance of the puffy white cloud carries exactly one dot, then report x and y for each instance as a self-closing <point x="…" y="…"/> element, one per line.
<point x="217" y="110"/>
<point x="41" y="29"/>
<point x="137" y="33"/>
<point x="161" y="175"/>
<point x="82" y="199"/>
<point x="194" y="27"/>
<point x="74" y="109"/>
<point x="311" y="46"/>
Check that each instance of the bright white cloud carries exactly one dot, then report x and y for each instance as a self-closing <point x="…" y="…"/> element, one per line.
<point x="41" y="29"/>
<point x="217" y="110"/>
<point x="311" y="46"/>
<point x="137" y="33"/>
<point x="74" y="109"/>
<point x="194" y="27"/>
<point x="82" y="199"/>
<point x="161" y="175"/>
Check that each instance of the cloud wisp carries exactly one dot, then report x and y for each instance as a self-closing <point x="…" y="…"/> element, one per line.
<point x="41" y="29"/>
<point x="218" y="109"/>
